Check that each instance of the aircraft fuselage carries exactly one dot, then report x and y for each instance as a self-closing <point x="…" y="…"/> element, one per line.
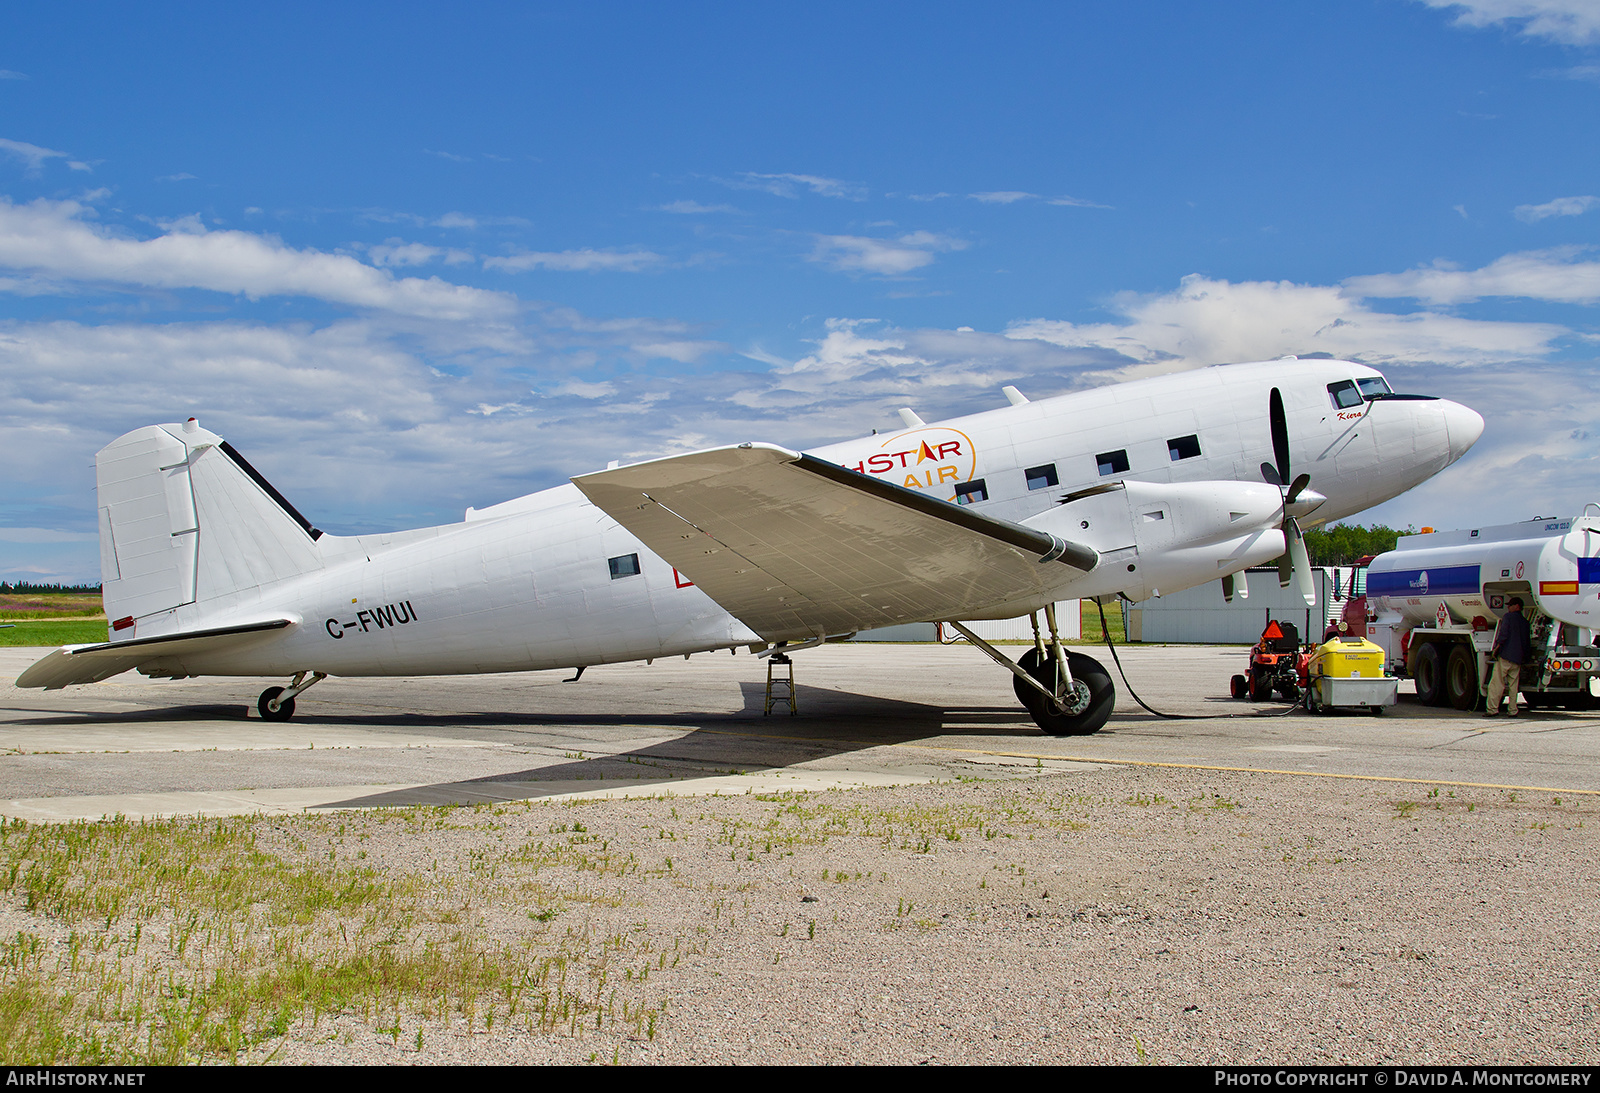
<point x="550" y="581"/>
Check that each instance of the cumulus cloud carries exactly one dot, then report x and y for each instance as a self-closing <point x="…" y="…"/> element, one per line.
<point x="355" y="416"/>
<point x="1010" y="197"/>
<point x="414" y="418"/>
<point x="883" y="257"/>
<point x="1561" y="206"/>
<point x="1552" y="275"/>
<point x="585" y="261"/>
<point x="53" y="240"/>
<point x="1586" y="73"/>
<point x="1570" y="22"/>
<point x="395" y="252"/>
<point x="581" y="389"/>
<point x="1209" y="321"/>
<point x="791" y="186"/>
<point x="35" y="156"/>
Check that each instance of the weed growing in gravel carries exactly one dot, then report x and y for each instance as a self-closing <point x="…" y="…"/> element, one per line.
<point x="175" y="941"/>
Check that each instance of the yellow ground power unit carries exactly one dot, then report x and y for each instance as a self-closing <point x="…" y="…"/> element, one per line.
<point x="1347" y="673"/>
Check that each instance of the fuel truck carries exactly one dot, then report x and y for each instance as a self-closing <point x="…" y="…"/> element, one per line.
<point x="1434" y="601"/>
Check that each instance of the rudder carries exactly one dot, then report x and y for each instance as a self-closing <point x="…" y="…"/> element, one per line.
<point x="185" y="520"/>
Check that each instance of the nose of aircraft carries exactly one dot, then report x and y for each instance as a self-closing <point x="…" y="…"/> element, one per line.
<point x="1464" y="424"/>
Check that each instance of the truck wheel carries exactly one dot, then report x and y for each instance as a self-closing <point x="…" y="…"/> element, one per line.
<point x="1461" y="678"/>
<point x="1429" y="674"/>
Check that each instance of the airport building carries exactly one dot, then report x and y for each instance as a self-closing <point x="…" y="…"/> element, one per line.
<point x="1200" y="614"/>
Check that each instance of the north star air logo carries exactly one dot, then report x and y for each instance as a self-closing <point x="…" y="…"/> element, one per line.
<point x="923" y="459"/>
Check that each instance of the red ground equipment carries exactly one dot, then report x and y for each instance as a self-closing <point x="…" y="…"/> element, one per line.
<point x="1277" y="663"/>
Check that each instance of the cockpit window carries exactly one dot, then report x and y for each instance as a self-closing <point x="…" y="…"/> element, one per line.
<point x="1372" y="386"/>
<point x="1344" y="394"/>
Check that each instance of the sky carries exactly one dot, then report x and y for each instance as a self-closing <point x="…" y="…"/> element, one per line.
<point x="410" y="258"/>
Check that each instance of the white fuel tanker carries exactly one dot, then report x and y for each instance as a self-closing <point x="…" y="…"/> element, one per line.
<point x="1434" y="601"/>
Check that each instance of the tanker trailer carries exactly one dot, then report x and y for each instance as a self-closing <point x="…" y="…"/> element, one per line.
<point x="1434" y="601"/>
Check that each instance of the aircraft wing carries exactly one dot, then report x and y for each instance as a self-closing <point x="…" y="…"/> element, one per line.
<point x="91" y="663"/>
<point x="797" y="547"/>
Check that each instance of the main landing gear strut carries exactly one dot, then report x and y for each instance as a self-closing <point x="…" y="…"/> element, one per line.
<point x="277" y="703"/>
<point x="1066" y="694"/>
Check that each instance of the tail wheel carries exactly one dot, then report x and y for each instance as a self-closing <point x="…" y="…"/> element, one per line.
<point x="285" y="708"/>
<point x="1429" y="674"/>
<point x="1088" y="706"/>
<point x="1461" y="678"/>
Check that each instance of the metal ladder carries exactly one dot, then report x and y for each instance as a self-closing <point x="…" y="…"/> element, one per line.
<point x="785" y="685"/>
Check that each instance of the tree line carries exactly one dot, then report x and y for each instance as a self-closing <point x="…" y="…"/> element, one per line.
<point x="1342" y="544"/>
<point x="28" y="588"/>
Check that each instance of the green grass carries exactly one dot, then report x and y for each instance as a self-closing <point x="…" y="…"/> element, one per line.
<point x="55" y="632"/>
<point x="1093" y="634"/>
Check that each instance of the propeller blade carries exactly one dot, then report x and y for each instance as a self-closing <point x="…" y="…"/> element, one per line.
<point x="1227" y="588"/>
<point x="1285" y="568"/>
<point x="1280" y="434"/>
<point x="1301" y="482"/>
<point x="1269" y="475"/>
<point x="1301" y="563"/>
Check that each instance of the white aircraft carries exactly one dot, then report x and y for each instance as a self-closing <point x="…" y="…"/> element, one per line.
<point x="1133" y="489"/>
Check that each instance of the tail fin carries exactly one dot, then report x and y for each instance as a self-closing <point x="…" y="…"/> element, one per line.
<point x="185" y="520"/>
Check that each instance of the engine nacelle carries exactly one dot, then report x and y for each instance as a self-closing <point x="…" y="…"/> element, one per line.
<point x="1156" y="537"/>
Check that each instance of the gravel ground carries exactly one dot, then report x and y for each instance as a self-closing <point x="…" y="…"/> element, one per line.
<point x="1115" y="916"/>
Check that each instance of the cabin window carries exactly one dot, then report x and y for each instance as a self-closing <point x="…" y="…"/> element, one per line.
<point x="1042" y="478"/>
<point x="1344" y="394"/>
<point x="1112" y="462"/>
<point x="968" y="492"/>
<point x="1184" y="447"/>
<point x="1373" y="386"/>
<point x="625" y="566"/>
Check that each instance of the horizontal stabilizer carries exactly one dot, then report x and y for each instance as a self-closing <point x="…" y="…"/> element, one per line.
<point x="795" y="546"/>
<point x="91" y="663"/>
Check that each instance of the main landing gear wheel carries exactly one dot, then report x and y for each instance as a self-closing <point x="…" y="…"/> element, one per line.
<point x="1088" y="706"/>
<point x="285" y="708"/>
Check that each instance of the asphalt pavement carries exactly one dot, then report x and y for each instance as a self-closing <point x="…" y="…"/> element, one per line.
<point x="869" y="715"/>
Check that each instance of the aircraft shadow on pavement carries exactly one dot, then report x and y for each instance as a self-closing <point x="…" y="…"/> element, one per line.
<point x="829" y="723"/>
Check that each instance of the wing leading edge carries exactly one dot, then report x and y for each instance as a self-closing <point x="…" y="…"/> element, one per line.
<point x="795" y="546"/>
